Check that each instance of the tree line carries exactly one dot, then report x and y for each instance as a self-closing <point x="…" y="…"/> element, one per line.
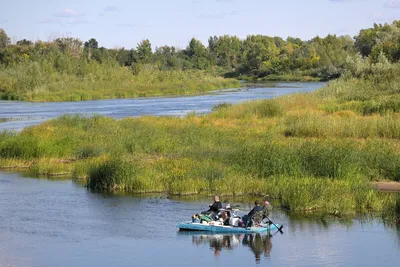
<point x="256" y="56"/>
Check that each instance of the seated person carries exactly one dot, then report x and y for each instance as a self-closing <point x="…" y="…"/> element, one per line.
<point x="214" y="208"/>
<point x="225" y="214"/>
<point x="267" y="208"/>
<point x="247" y="218"/>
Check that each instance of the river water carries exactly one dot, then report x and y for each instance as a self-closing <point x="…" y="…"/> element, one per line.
<point x="21" y="114"/>
<point x="60" y="223"/>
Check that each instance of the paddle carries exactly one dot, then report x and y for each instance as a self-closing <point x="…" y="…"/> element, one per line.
<point x="279" y="228"/>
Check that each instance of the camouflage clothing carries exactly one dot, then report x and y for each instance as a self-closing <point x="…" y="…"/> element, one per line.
<point x="267" y="210"/>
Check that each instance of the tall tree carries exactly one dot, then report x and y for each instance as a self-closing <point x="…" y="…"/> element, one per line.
<point x="92" y="44"/>
<point x="198" y="54"/>
<point x="24" y="42"/>
<point x="90" y="48"/>
<point x="144" y="51"/>
<point x="4" y="40"/>
<point x="225" y="50"/>
<point x="259" y="53"/>
<point x="71" y="46"/>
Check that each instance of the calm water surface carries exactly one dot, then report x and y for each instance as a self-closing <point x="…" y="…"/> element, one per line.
<point x="22" y="114"/>
<point x="59" y="223"/>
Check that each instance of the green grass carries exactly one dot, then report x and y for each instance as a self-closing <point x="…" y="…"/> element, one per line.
<point x="36" y="81"/>
<point x="311" y="158"/>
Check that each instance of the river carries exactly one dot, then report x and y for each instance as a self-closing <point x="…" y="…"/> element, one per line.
<point x="60" y="223"/>
<point x="21" y="114"/>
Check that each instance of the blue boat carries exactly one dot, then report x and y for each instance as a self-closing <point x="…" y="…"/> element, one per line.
<point x="193" y="226"/>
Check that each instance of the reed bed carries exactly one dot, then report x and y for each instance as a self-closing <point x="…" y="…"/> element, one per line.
<point x="39" y="82"/>
<point x="292" y="148"/>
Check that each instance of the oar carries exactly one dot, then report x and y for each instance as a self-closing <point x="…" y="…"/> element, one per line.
<point x="202" y="206"/>
<point x="279" y="228"/>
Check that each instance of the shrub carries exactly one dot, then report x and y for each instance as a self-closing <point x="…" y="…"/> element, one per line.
<point x="221" y="106"/>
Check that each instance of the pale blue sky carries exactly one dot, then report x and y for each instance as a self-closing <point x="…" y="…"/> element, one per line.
<point x="124" y="23"/>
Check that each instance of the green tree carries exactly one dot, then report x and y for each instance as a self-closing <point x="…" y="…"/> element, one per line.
<point x="259" y="54"/>
<point x="124" y="57"/>
<point x="24" y="42"/>
<point x="90" y="48"/>
<point x="381" y="38"/>
<point x="70" y="46"/>
<point x="225" y="50"/>
<point x="92" y="44"/>
<point x="4" y="40"/>
<point x="144" y="51"/>
<point x="198" y="54"/>
<point x="166" y="57"/>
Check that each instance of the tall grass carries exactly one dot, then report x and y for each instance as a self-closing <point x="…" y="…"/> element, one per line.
<point x="342" y="124"/>
<point x="42" y="81"/>
<point x="192" y="156"/>
<point x="294" y="148"/>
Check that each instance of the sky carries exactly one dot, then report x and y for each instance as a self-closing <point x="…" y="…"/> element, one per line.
<point x="124" y="23"/>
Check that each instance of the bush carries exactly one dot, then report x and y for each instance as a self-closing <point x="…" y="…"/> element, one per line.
<point x="88" y="151"/>
<point x="23" y="147"/>
<point x="111" y="174"/>
<point x="221" y="106"/>
<point x="268" y="108"/>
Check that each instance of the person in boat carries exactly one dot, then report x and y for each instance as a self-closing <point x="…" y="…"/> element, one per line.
<point x="225" y="214"/>
<point x="248" y="217"/>
<point x="267" y="208"/>
<point x="214" y="208"/>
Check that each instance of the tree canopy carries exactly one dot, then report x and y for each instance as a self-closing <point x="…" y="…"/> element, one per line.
<point x="256" y="55"/>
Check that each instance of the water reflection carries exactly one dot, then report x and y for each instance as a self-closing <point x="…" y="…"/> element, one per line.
<point x="259" y="244"/>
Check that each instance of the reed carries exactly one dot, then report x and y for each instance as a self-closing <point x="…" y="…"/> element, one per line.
<point x="309" y="157"/>
<point x="38" y="81"/>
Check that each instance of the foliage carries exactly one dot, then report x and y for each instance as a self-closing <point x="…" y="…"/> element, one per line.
<point x="381" y="38"/>
<point x="255" y="57"/>
<point x="303" y="149"/>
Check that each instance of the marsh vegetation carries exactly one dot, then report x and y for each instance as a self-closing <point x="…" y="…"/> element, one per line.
<point x="314" y="152"/>
<point x="67" y="69"/>
<point x="303" y="149"/>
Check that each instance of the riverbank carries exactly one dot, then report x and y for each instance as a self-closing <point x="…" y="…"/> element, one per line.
<point x="387" y="186"/>
<point x="282" y="78"/>
<point x="302" y="149"/>
<point x="33" y="83"/>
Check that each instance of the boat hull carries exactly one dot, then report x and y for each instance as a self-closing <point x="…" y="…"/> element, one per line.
<point x="189" y="226"/>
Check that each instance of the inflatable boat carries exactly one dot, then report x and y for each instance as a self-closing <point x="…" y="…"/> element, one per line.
<point x="194" y="226"/>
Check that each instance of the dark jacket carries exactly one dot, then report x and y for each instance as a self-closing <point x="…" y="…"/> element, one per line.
<point x="254" y="210"/>
<point x="215" y="207"/>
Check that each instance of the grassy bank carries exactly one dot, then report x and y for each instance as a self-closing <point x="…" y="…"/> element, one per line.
<point x="38" y="82"/>
<point x="288" y="77"/>
<point x="315" y="152"/>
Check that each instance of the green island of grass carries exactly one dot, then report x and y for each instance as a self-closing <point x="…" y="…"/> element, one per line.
<point x="314" y="152"/>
